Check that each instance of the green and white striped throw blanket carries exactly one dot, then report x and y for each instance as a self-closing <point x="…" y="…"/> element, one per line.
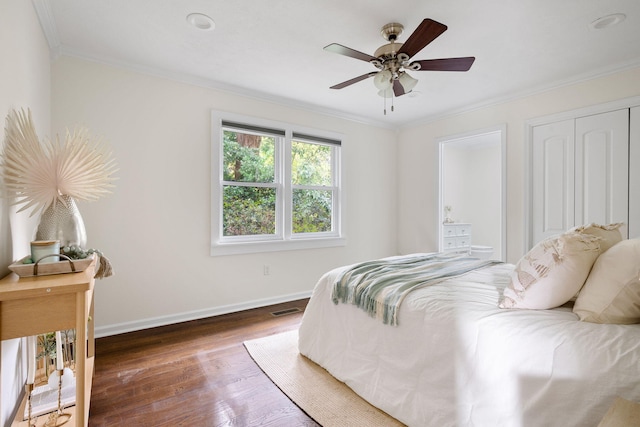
<point x="379" y="287"/>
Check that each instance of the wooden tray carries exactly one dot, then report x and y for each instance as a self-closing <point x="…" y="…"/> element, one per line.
<point x="47" y="268"/>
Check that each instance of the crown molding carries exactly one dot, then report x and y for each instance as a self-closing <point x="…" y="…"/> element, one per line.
<point x="547" y="87"/>
<point x="48" y="24"/>
<point x="287" y="102"/>
<point x="219" y="86"/>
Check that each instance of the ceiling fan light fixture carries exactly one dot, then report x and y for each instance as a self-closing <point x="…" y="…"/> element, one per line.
<point x="393" y="60"/>
<point x="386" y="93"/>
<point x="407" y="82"/>
<point x="382" y="80"/>
<point x="390" y="32"/>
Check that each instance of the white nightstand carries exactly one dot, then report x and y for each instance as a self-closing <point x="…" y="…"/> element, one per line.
<point x="456" y="237"/>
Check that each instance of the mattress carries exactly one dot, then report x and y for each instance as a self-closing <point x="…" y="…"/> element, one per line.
<point x="456" y="359"/>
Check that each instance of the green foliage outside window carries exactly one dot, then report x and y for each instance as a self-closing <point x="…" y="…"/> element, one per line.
<point x="249" y="158"/>
<point x="311" y="211"/>
<point x="311" y="165"/>
<point x="251" y="210"/>
<point x="248" y="210"/>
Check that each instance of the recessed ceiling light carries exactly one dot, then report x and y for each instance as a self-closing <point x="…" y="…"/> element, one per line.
<point x="201" y="21"/>
<point x="608" y="21"/>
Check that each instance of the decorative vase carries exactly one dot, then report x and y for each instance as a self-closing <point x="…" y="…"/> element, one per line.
<point x="62" y="221"/>
<point x="447" y="212"/>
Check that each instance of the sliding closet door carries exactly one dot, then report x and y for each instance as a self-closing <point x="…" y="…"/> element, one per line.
<point x="552" y="179"/>
<point x="634" y="174"/>
<point x="602" y="169"/>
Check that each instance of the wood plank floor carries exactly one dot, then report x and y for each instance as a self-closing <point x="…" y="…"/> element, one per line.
<point x="195" y="373"/>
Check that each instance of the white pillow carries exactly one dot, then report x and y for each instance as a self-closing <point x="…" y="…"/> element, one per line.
<point x="611" y="293"/>
<point x="552" y="272"/>
<point x="609" y="234"/>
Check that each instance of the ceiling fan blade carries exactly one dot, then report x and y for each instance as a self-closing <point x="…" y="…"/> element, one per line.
<point x="445" y="64"/>
<point x="398" y="90"/>
<point x="347" y="51"/>
<point x="354" y="80"/>
<point x="427" y="31"/>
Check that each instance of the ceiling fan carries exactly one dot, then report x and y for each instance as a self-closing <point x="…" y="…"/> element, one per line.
<point x="393" y="59"/>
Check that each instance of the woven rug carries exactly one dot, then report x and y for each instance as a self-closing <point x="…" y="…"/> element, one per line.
<point x="328" y="401"/>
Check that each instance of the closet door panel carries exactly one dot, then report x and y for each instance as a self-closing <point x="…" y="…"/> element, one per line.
<point x="553" y="179"/>
<point x="601" y="168"/>
<point x="634" y="174"/>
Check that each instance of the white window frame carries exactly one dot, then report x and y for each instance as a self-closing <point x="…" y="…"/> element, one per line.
<point x="283" y="239"/>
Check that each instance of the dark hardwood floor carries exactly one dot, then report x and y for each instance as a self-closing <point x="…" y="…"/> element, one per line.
<point x="195" y="373"/>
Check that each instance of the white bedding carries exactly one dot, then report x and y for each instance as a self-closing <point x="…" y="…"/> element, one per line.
<point x="456" y="359"/>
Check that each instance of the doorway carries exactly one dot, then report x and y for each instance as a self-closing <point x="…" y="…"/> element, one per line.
<point x="473" y="187"/>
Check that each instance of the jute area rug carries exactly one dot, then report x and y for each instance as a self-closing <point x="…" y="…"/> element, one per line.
<point x="328" y="401"/>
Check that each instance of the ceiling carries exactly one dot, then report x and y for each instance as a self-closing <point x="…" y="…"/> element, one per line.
<point x="274" y="49"/>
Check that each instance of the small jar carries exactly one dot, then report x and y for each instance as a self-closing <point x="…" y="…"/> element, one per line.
<point x="41" y="248"/>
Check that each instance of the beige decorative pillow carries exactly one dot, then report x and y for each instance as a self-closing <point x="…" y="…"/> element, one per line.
<point x="552" y="272"/>
<point x="610" y="233"/>
<point x="611" y="293"/>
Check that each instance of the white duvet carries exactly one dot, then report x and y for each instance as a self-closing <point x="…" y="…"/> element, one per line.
<point x="456" y="359"/>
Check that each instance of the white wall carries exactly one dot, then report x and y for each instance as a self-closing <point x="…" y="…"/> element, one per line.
<point x="418" y="155"/>
<point x="24" y="83"/>
<point x="155" y="228"/>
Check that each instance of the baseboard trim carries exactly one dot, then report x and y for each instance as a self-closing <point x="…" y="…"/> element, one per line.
<point x="121" y="328"/>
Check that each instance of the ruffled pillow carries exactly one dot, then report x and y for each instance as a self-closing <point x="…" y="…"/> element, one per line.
<point x="611" y="293"/>
<point x="609" y="234"/>
<point x="552" y="272"/>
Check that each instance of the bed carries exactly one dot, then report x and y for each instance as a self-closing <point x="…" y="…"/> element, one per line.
<point x="455" y="358"/>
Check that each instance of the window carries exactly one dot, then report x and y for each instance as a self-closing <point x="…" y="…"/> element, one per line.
<point x="275" y="186"/>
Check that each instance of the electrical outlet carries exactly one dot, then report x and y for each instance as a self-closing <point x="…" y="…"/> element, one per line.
<point x="266" y="269"/>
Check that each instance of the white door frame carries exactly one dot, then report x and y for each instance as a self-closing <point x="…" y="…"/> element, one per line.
<point x="502" y="130"/>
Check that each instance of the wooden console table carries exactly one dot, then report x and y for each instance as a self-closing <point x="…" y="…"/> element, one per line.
<point x="37" y="305"/>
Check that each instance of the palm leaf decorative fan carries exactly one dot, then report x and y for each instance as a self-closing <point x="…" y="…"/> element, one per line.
<point x="39" y="173"/>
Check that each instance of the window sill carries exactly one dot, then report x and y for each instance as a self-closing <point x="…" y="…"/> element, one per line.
<point x="239" y="248"/>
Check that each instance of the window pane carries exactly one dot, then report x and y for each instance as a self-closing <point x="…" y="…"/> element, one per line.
<point x="310" y="164"/>
<point x="311" y="211"/>
<point x="248" y="211"/>
<point x="248" y="157"/>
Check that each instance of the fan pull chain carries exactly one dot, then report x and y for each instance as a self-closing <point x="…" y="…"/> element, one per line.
<point x="385" y="105"/>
